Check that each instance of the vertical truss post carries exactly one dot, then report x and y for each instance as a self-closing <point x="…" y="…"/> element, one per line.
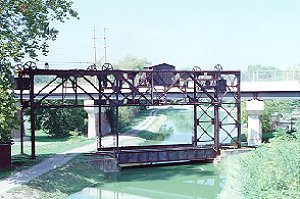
<point x="117" y="115"/>
<point x="195" y="113"/>
<point x="100" y="114"/>
<point x="32" y="116"/>
<point x="75" y="90"/>
<point x="238" y="104"/>
<point x="21" y="121"/>
<point x="152" y="86"/>
<point x="216" y="115"/>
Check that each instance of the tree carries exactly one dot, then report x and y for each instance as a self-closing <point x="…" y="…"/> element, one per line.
<point x="59" y="122"/>
<point x="7" y="115"/>
<point x="25" y="29"/>
<point x="132" y="63"/>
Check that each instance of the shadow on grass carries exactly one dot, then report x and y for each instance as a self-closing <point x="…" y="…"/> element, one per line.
<point x="22" y="162"/>
<point x="46" y="138"/>
<point x="69" y="178"/>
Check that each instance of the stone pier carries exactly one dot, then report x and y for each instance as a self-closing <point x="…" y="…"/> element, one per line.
<point x="93" y="120"/>
<point x="255" y="110"/>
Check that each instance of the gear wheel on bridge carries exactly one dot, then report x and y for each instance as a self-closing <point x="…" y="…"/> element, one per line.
<point x="107" y="66"/>
<point x="196" y="68"/>
<point x="92" y="67"/>
<point x="218" y="67"/>
<point x="30" y="64"/>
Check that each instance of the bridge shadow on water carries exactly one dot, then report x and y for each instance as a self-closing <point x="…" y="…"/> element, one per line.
<point x="164" y="172"/>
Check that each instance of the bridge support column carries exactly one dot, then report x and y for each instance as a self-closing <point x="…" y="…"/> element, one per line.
<point x="93" y="120"/>
<point x="93" y="126"/>
<point x="255" y="110"/>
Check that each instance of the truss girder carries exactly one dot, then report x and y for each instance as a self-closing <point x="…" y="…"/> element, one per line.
<point x="205" y="90"/>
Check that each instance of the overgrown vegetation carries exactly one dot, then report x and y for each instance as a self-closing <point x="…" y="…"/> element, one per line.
<point x="270" y="171"/>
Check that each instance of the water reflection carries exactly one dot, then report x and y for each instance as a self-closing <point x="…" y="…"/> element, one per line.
<point x="185" y="181"/>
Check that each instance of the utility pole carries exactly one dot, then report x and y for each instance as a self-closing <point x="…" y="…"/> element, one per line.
<point x="95" y="50"/>
<point x="104" y="38"/>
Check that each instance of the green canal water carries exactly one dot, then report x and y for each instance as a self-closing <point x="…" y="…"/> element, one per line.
<point x="184" y="181"/>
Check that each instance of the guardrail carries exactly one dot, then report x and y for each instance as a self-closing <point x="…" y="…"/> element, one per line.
<point x="271" y="75"/>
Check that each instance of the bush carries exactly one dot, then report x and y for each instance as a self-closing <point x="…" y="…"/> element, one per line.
<point x="270" y="171"/>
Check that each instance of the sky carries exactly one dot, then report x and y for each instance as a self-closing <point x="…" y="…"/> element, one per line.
<point x="184" y="33"/>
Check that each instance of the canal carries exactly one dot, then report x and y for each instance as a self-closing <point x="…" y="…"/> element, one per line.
<point x="184" y="181"/>
<point x="171" y="126"/>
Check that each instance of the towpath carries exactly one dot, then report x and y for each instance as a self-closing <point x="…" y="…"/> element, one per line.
<point x="60" y="159"/>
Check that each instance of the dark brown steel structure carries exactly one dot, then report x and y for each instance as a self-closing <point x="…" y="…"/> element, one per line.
<point x="214" y="94"/>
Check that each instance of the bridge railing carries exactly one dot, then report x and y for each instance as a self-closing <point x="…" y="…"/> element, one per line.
<point x="271" y="75"/>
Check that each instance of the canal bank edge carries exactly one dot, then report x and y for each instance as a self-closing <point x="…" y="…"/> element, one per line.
<point x="226" y="152"/>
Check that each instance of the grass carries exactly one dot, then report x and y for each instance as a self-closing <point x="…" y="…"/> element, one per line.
<point x="45" y="147"/>
<point x="21" y="162"/>
<point x="79" y="173"/>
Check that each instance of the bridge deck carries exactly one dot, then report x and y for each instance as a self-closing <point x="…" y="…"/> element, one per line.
<point x="161" y="154"/>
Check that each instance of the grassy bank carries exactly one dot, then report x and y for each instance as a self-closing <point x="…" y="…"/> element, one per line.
<point x="63" y="181"/>
<point x="270" y="171"/>
<point x="45" y="147"/>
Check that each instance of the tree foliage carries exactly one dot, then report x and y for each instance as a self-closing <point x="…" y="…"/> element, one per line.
<point x="26" y="25"/>
<point x="272" y="110"/>
<point x="125" y="116"/>
<point x="25" y="29"/>
<point x="132" y="63"/>
<point x="59" y="122"/>
<point x="7" y="115"/>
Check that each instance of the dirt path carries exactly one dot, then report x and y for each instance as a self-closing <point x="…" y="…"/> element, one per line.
<point x="58" y="160"/>
<point x="143" y="125"/>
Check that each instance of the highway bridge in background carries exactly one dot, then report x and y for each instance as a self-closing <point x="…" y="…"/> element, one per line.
<point x="282" y="90"/>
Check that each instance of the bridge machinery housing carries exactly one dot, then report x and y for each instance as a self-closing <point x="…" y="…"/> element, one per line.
<point x="213" y="94"/>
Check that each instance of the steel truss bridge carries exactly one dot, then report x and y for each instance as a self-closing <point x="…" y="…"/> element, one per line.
<point x="208" y="91"/>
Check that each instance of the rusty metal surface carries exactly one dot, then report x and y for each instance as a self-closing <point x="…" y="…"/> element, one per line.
<point x="166" y="155"/>
<point x="215" y="95"/>
<point x="162" y="153"/>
